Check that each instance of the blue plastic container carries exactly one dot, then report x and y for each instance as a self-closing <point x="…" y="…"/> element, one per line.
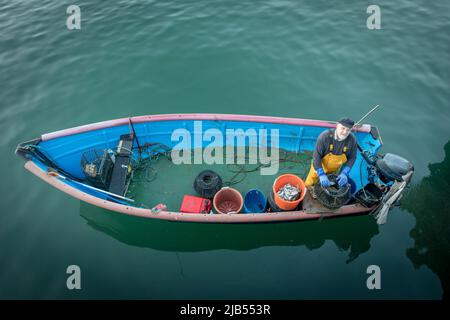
<point x="351" y="199"/>
<point x="254" y="202"/>
<point x="352" y="186"/>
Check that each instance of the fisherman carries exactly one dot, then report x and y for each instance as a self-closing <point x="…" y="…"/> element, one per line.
<point x="335" y="149"/>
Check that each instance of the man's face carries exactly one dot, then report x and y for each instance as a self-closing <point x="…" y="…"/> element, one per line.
<point x="342" y="132"/>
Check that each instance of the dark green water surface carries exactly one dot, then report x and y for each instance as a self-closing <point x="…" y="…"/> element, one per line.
<point x="305" y="59"/>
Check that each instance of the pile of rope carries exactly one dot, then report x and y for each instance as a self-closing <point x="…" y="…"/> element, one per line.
<point x="148" y="155"/>
<point x="299" y="165"/>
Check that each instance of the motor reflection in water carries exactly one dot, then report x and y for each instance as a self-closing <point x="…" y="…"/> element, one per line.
<point x="429" y="202"/>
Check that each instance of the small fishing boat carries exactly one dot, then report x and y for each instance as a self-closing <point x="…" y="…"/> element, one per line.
<point x="96" y="163"/>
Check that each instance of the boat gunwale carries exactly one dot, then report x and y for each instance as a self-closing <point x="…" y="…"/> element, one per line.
<point x="366" y="128"/>
<point x="300" y="215"/>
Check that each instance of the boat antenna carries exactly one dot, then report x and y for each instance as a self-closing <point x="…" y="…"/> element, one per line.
<point x="366" y="115"/>
<point x="135" y="135"/>
<point x="368" y="160"/>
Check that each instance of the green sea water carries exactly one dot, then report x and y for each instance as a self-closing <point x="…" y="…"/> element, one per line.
<point x="305" y="59"/>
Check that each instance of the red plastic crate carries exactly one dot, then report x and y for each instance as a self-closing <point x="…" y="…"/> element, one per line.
<point x="193" y="204"/>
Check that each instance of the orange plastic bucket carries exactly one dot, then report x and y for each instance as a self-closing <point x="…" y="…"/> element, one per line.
<point x="293" y="180"/>
<point x="228" y="200"/>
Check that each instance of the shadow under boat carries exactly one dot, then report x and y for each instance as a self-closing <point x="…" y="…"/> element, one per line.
<point x="429" y="202"/>
<point x="352" y="234"/>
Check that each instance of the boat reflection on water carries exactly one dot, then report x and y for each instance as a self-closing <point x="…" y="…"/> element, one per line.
<point x="352" y="234"/>
<point x="429" y="202"/>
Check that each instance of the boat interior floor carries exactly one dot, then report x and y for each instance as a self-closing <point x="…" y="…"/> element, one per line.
<point x="311" y="205"/>
<point x="162" y="181"/>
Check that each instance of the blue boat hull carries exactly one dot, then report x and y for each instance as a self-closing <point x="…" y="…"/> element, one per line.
<point x="66" y="147"/>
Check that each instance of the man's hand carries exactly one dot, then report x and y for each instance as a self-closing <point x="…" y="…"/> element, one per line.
<point x="342" y="179"/>
<point x="324" y="182"/>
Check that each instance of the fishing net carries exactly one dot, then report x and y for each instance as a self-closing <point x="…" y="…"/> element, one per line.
<point x="295" y="162"/>
<point x="149" y="154"/>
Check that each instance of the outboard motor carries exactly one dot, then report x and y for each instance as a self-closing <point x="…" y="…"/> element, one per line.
<point x="392" y="167"/>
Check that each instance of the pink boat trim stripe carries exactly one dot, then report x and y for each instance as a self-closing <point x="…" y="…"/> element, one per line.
<point x="195" y="116"/>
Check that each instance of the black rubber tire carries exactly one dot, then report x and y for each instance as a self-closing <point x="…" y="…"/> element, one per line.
<point x="207" y="183"/>
<point x="271" y="203"/>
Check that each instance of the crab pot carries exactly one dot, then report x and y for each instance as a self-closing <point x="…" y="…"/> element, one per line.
<point x="335" y="196"/>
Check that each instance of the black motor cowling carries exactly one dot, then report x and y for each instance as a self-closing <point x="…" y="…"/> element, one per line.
<point x="392" y="167"/>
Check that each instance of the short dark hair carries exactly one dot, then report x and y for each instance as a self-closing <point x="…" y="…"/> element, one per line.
<point x="347" y="122"/>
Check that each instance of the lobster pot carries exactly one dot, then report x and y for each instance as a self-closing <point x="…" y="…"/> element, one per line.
<point x="97" y="166"/>
<point x="207" y="183"/>
<point x="334" y="196"/>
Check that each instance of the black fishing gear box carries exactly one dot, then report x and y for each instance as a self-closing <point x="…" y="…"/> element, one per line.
<point x="369" y="196"/>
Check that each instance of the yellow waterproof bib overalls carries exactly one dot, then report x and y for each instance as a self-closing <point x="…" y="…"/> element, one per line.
<point x="331" y="163"/>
